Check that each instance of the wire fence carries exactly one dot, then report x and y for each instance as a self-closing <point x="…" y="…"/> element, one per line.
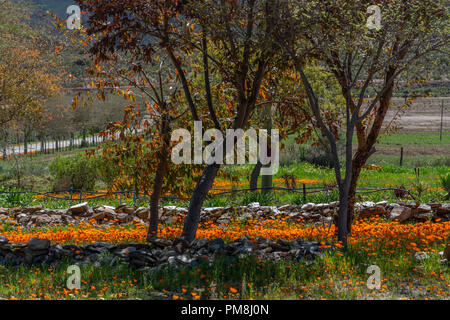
<point x="74" y="195"/>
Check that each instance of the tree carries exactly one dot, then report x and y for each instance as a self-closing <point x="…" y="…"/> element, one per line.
<point x="361" y="58"/>
<point x="28" y="76"/>
<point x="234" y="38"/>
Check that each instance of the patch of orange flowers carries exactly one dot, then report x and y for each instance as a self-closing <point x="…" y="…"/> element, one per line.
<point x="368" y="234"/>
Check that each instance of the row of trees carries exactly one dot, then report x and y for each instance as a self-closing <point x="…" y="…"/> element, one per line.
<point x="223" y="62"/>
<point x="34" y="80"/>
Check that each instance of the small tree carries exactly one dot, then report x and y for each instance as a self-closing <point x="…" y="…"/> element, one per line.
<point x="235" y="40"/>
<point x="367" y="62"/>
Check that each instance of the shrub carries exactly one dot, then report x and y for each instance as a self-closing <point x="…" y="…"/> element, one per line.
<point x="445" y="180"/>
<point x="12" y="197"/>
<point x="264" y="198"/>
<point x="79" y="172"/>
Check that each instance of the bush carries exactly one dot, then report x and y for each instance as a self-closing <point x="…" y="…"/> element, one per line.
<point x="445" y="180"/>
<point x="79" y="172"/>
<point x="12" y="197"/>
<point x="264" y="198"/>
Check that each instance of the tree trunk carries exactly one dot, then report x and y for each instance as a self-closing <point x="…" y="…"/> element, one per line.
<point x="255" y="175"/>
<point x="197" y="199"/>
<point x="358" y="163"/>
<point x="156" y="194"/>
<point x="342" y="215"/>
<point x="267" y="180"/>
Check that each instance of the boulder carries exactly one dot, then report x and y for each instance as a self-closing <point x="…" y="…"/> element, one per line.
<point x="36" y="244"/>
<point x="372" y="212"/>
<point x="123" y="217"/>
<point x="382" y="204"/>
<point x="3" y="240"/>
<point x="401" y="213"/>
<point x="308" y="207"/>
<point x="423" y="217"/>
<point x="443" y="210"/>
<point x="423" y="208"/>
<point x="56" y="219"/>
<point x="253" y="205"/>
<point x="98" y="216"/>
<point x="125" y="209"/>
<point x="79" y="209"/>
<point x="33" y="209"/>
<point x="3" y="211"/>
<point x="142" y="213"/>
<point x="286" y="207"/>
<point x="447" y="252"/>
<point x="41" y="220"/>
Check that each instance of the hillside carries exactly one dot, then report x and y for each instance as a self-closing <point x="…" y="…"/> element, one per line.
<point x="57" y="6"/>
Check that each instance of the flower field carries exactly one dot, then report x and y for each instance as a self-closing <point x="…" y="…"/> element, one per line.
<point x="336" y="275"/>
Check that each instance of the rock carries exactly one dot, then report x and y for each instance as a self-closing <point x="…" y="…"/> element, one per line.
<point x="99" y="216"/>
<point x="3" y="211"/>
<point x="286" y="207"/>
<point x="3" y="240"/>
<point x="125" y="209"/>
<point x="214" y="210"/>
<point x="23" y="218"/>
<point x="79" y="209"/>
<point x="216" y="244"/>
<point x="401" y="213"/>
<point x="107" y="211"/>
<point x="308" y="207"/>
<point x="334" y="204"/>
<point x="253" y="205"/>
<point x="381" y="204"/>
<point x="36" y="244"/>
<point x="31" y="210"/>
<point x="372" y="212"/>
<point x="443" y="210"/>
<point x="447" y="252"/>
<point x="423" y="208"/>
<point x="123" y="217"/>
<point x="368" y="204"/>
<point x="185" y="259"/>
<point x="56" y="219"/>
<point x="161" y="242"/>
<point x="143" y="213"/>
<point x="100" y="247"/>
<point x="421" y="256"/>
<point x="41" y="220"/>
<point x="423" y="217"/>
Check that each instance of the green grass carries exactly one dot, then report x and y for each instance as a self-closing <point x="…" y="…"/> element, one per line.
<point x="387" y="176"/>
<point x="332" y="276"/>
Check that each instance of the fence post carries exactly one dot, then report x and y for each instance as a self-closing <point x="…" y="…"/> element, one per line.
<point x="401" y="156"/>
<point x="442" y="118"/>
<point x="304" y="193"/>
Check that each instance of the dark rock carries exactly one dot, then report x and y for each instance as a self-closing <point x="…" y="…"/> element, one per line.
<point x="36" y="244"/>
<point x="3" y="240"/>
<point x="216" y="244"/>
